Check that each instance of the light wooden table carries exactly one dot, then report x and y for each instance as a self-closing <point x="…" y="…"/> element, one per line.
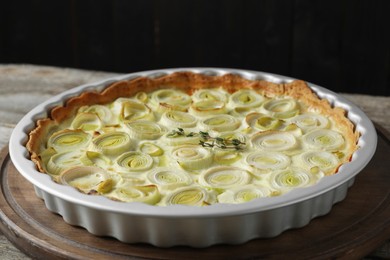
<point x="22" y="87"/>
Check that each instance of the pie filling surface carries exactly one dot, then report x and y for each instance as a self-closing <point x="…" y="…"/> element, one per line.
<point x="192" y="139"/>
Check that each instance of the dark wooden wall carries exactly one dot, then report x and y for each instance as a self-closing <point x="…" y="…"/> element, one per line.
<point x="343" y="45"/>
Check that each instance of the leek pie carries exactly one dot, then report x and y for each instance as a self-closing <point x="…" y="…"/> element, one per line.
<point x="193" y="139"/>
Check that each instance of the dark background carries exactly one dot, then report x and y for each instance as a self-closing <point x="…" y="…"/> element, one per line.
<point x="343" y="45"/>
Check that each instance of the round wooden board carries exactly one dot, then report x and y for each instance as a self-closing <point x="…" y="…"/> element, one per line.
<point x="353" y="228"/>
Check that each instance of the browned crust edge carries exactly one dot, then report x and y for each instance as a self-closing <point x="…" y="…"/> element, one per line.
<point x="298" y="89"/>
<point x="189" y="82"/>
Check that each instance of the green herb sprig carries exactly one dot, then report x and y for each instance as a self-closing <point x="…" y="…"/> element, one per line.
<point x="180" y="132"/>
<point x="208" y="141"/>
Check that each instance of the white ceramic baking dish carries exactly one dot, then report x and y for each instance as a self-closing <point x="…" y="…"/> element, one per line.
<point x="185" y="225"/>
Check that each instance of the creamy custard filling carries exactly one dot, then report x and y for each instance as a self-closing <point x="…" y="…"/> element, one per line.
<point x="210" y="146"/>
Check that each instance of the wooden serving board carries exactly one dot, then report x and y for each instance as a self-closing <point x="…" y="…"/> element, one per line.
<point x="354" y="228"/>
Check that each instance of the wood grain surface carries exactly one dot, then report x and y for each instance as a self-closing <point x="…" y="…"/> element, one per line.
<point x="22" y="87"/>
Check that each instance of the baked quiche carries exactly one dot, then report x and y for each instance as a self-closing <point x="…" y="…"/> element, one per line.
<point x="193" y="139"/>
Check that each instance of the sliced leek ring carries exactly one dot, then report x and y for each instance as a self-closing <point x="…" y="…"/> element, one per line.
<point x="224" y="177"/>
<point x="262" y="122"/>
<point x="113" y="143"/>
<point x="141" y="97"/>
<point x="192" y="157"/>
<point x="151" y="149"/>
<point x="95" y="158"/>
<point x="207" y="108"/>
<point x="134" y="162"/>
<point x="103" y="112"/>
<point x="294" y="129"/>
<point x="87" y="122"/>
<point x="62" y="161"/>
<point x="105" y="186"/>
<point x="210" y="94"/>
<point x="145" y="130"/>
<point x="230" y="136"/>
<point x="148" y="194"/>
<point x="171" y="98"/>
<point x="87" y="179"/>
<point x="246" y="98"/>
<point x="226" y="156"/>
<point x="281" y="108"/>
<point x="327" y="162"/>
<point x="190" y="196"/>
<point x="220" y="123"/>
<point x="274" y="141"/>
<point x="168" y="178"/>
<point x="323" y="139"/>
<point x="69" y="140"/>
<point x="168" y="107"/>
<point x="291" y="178"/>
<point x="111" y="128"/>
<point x="133" y="111"/>
<point x="178" y="119"/>
<point x="117" y="106"/>
<point x="180" y="140"/>
<point x="45" y="156"/>
<point x="267" y="161"/>
<point x="240" y="111"/>
<point x="244" y="194"/>
<point x="310" y="121"/>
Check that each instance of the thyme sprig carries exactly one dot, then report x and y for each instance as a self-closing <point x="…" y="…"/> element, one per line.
<point x="180" y="132"/>
<point x="208" y="141"/>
